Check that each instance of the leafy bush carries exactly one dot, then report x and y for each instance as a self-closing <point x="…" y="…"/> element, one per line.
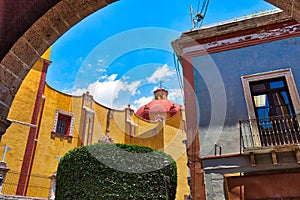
<point x="115" y="171"/>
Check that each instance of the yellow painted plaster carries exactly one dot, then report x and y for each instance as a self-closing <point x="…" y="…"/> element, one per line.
<point x="46" y="54"/>
<point x="167" y="138"/>
<point x="49" y="150"/>
<point x="16" y="135"/>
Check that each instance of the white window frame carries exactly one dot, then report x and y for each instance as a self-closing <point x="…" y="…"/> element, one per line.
<point x="291" y="86"/>
<point x="53" y="133"/>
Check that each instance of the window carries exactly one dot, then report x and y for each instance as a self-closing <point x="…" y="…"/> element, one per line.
<point x="273" y="104"/>
<point x="63" y="125"/>
<point x="271" y="98"/>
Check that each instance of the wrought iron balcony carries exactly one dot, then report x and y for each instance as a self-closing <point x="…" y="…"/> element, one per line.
<point x="270" y="132"/>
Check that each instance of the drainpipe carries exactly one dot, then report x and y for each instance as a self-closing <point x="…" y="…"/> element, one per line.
<point x="29" y="150"/>
<point x="35" y="143"/>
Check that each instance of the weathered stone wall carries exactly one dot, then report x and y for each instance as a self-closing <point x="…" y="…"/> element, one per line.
<point x="291" y="7"/>
<point x="16" y="17"/>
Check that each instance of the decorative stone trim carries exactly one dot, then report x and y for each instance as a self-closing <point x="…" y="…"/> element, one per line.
<point x="51" y="195"/>
<point x="291" y="86"/>
<point x="132" y="128"/>
<point x="287" y="73"/>
<point x="62" y="136"/>
<point x="106" y="139"/>
<point x="22" y="123"/>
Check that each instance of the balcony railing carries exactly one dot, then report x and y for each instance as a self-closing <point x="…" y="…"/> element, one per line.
<point x="269" y="132"/>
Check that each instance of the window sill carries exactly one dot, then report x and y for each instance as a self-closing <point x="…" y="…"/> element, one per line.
<point x="61" y="136"/>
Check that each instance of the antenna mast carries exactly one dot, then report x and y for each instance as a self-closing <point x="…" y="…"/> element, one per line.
<point x="192" y="16"/>
<point x="198" y="17"/>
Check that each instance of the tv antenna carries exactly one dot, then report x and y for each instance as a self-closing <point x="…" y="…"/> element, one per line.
<point x="198" y="16"/>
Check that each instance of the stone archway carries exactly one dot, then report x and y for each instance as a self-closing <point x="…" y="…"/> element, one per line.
<point x="28" y="29"/>
<point x="291" y="7"/>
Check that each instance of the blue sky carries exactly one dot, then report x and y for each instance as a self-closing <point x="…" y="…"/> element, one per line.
<point x="122" y="52"/>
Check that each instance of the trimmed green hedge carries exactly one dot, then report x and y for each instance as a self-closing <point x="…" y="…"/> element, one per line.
<point x="115" y="171"/>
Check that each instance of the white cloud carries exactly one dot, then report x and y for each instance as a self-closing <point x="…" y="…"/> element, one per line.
<point x="103" y="77"/>
<point x="100" y="61"/>
<point x="133" y="107"/>
<point x="161" y="73"/>
<point x="116" y="93"/>
<point x="67" y="91"/>
<point x="142" y="101"/>
<point x="112" y="77"/>
<point x="132" y="88"/>
<point x="100" y="70"/>
<point x="107" y="90"/>
<point x="176" y="95"/>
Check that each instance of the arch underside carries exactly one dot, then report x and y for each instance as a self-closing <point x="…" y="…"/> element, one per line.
<point x="29" y="28"/>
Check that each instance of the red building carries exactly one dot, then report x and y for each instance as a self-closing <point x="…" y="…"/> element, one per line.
<point x="160" y="107"/>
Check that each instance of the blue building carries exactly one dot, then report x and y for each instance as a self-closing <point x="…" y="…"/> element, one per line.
<point x="242" y="79"/>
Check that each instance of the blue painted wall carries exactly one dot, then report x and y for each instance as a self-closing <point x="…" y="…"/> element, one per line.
<point x="219" y="88"/>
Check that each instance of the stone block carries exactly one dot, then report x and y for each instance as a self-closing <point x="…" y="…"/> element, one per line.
<point x="67" y="13"/>
<point x="9" y="87"/>
<point x="3" y="88"/>
<point x="25" y="52"/>
<point x="297" y="5"/>
<point x="15" y="87"/>
<point x="8" y="98"/>
<point x="81" y="8"/>
<point x="296" y="11"/>
<point x="57" y="21"/>
<point x="3" y="112"/>
<point x="7" y="76"/>
<point x="36" y="41"/>
<point x="110" y="1"/>
<point x="13" y="64"/>
<point x="3" y="92"/>
<point x="43" y="28"/>
<point x="96" y="5"/>
<point x="284" y="5"/>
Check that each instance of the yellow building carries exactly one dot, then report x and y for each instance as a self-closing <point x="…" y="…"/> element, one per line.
<point x="46" y="124"/>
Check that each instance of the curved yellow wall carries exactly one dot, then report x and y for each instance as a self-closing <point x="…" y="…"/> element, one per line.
<point x="48" y="150"/>
<point x="16" y="135"/>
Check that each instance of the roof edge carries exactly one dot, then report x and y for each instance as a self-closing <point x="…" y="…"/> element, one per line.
<point x="235" y="26"/>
